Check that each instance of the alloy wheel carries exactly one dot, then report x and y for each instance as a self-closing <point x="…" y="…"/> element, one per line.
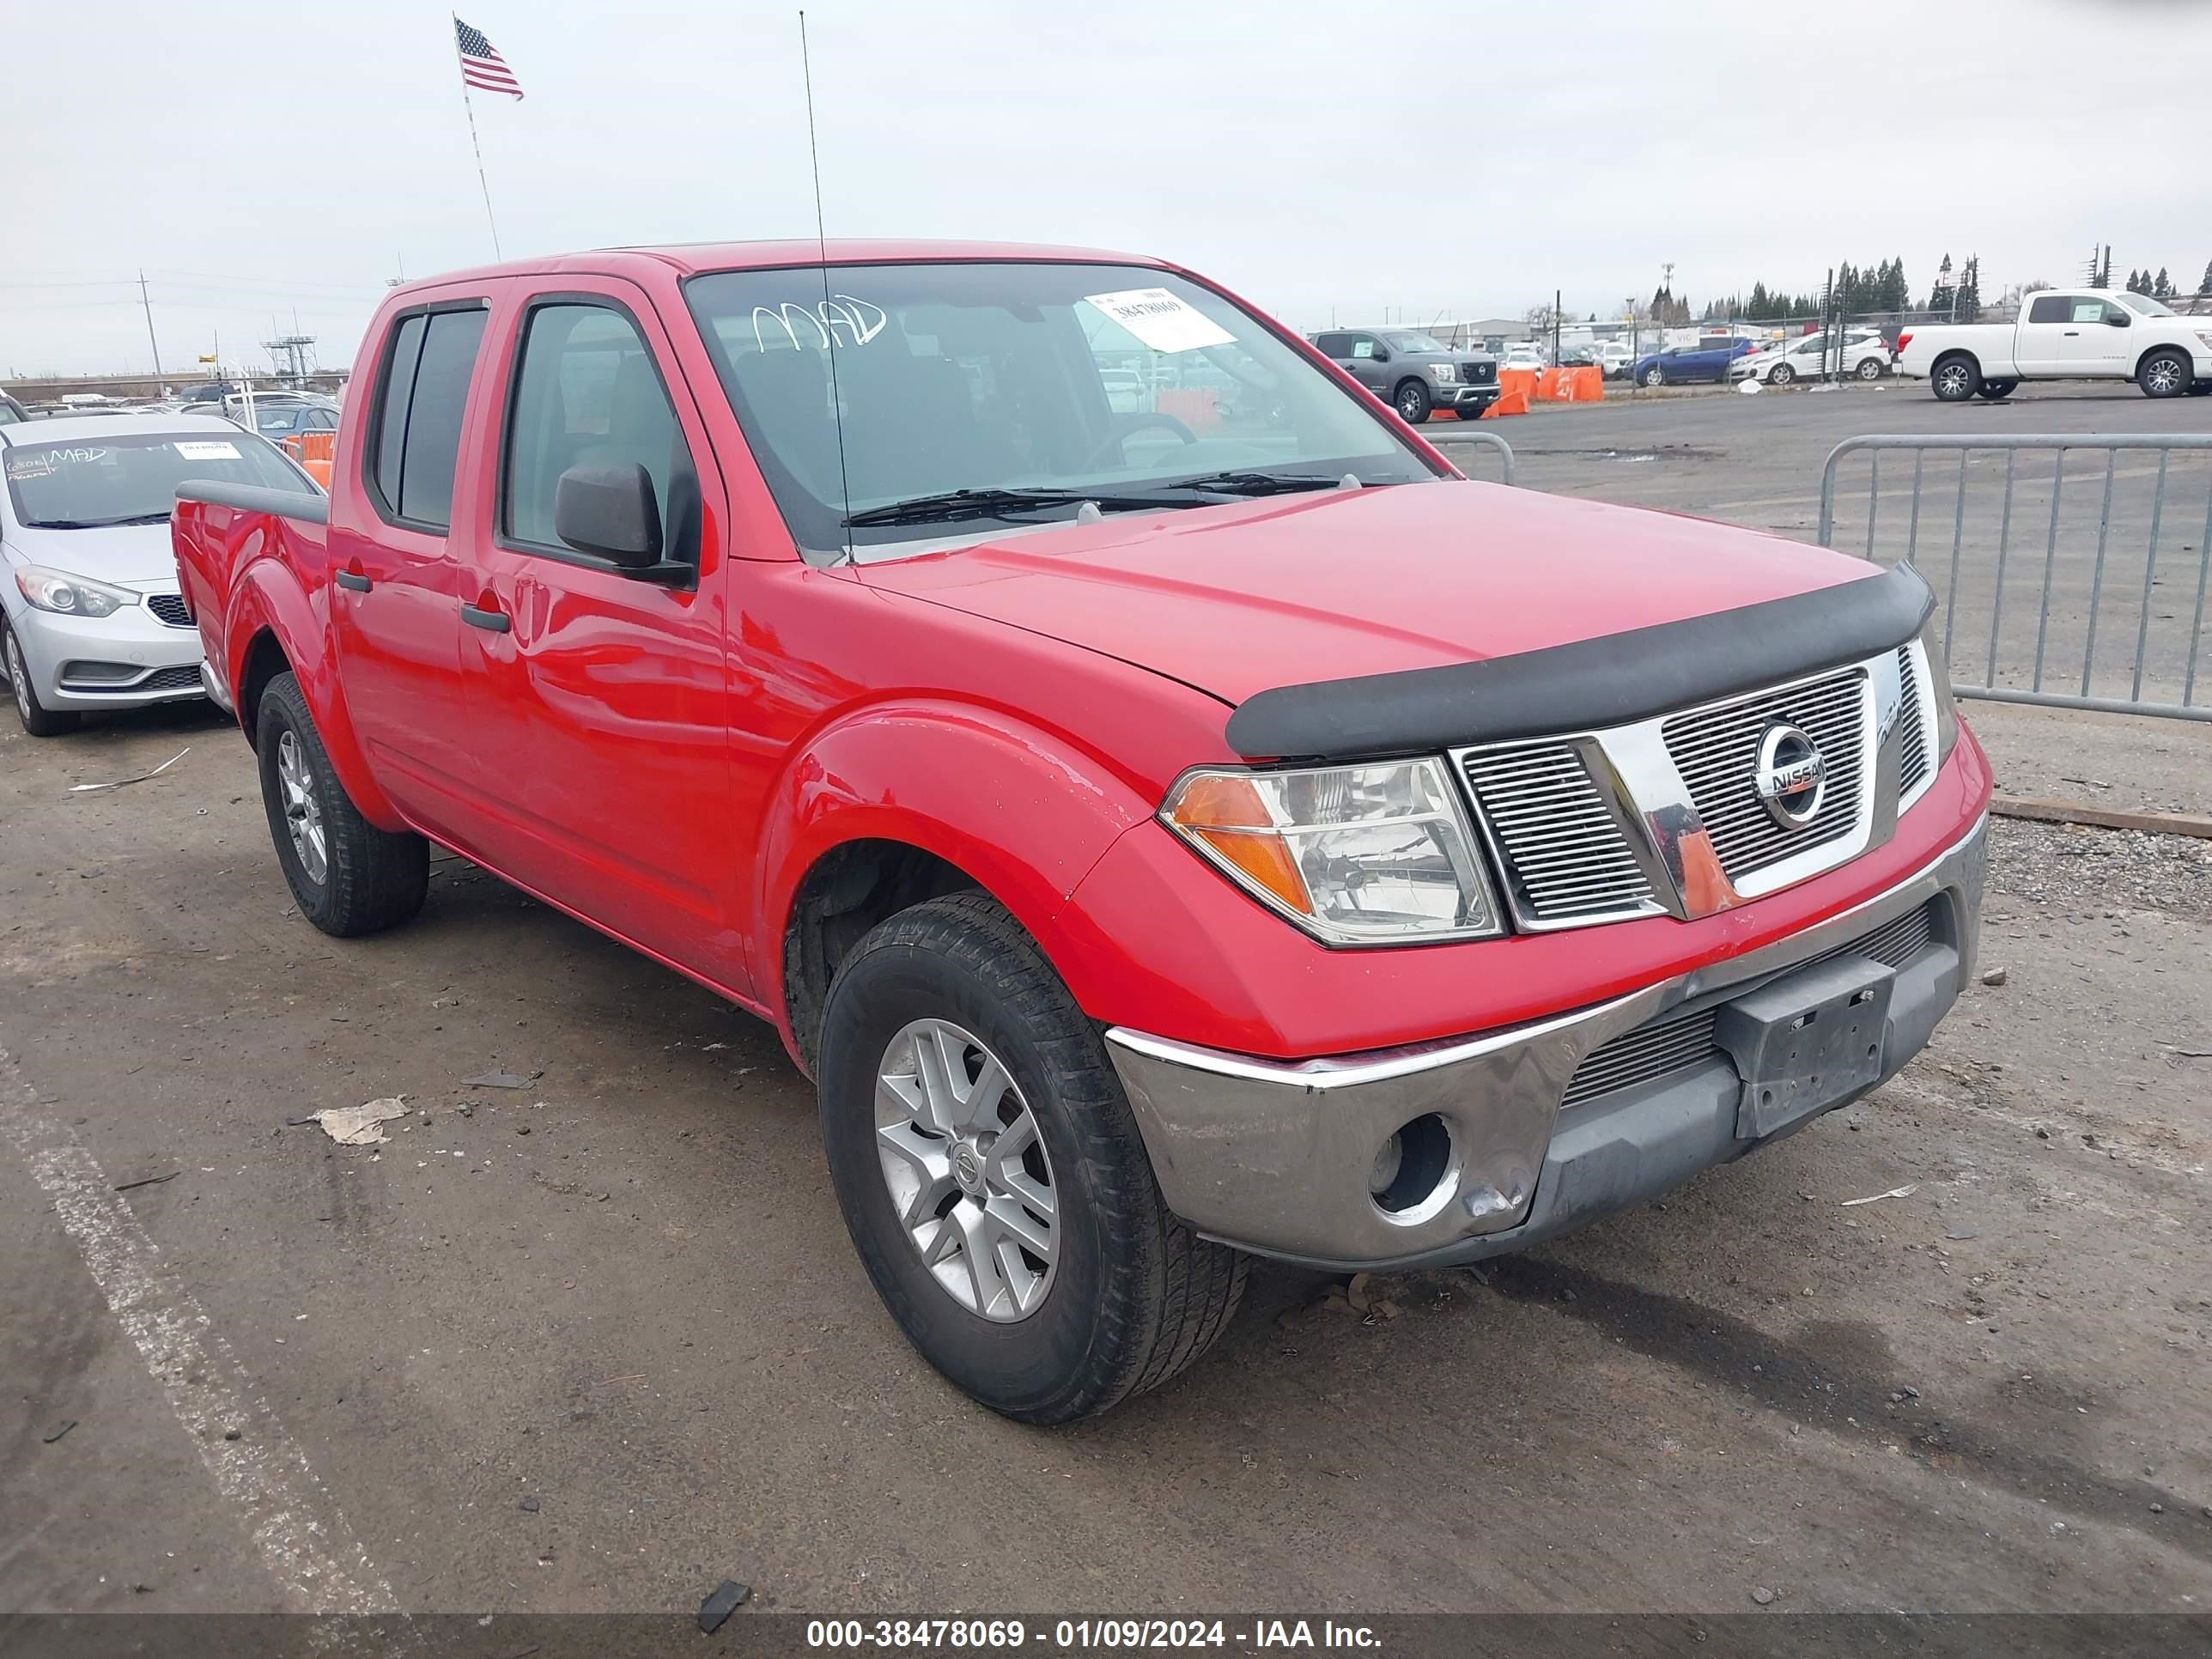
<point x="19" y="679"/>
<point x="1951" y="381"/>
<point x="966" y="1168"/>
<point x="303" y="810"/>
<point x="2163" y="378"/>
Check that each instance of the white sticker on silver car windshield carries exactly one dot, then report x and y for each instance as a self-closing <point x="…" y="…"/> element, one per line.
<point x="1159" y="319"/>
<point x="206" y="449"/>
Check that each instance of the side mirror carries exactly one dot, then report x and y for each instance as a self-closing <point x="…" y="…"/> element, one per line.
<point x="1382" y="354"/>
<point x="609" y="511"/>
<point x="2117" y="317"/>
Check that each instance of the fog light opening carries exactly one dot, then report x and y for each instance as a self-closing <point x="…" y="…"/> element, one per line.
<point x="1412" y="1171"/>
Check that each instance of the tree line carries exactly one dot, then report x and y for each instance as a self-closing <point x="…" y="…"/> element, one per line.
<point x="1860" y="289"/>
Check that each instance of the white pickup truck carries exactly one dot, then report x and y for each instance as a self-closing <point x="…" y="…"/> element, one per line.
<point x="2073" y="334"/>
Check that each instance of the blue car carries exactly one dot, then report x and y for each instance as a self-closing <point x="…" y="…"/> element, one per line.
<point x="1678" y="365"/>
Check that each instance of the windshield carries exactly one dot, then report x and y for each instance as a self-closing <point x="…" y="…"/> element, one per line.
<point x="994" y="377"/>
<point x="2147" y="305"/>
<point x="80" y="483"/>
<point x="1406" y="339"/>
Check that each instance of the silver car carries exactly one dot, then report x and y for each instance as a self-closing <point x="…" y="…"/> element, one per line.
<point x="90" y="616"/>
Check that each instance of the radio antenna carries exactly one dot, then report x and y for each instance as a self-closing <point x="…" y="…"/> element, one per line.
<point x="828" y="327"/>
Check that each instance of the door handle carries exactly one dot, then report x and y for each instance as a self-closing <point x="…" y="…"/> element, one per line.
<point x="492" y="622"/>
<point x="353" y="581"/>
<point x="2073" y="333"/>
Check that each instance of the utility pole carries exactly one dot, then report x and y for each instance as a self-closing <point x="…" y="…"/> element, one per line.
<point x="150" y="341"/>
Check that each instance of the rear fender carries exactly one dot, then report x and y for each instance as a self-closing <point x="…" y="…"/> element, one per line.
<point x="1022" y="811"/>
<point x="269" y="597"/>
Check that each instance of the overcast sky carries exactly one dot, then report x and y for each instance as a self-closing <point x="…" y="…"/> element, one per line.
<point x="1461" y="157"/>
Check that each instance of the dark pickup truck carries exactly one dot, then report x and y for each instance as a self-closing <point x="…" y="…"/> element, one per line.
<point x="1412" y="373"/>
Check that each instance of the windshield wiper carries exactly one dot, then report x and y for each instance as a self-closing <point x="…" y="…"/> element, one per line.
<point x="952" y="504"/>
<point x="1255" y="483"/>
<point x="95" y="524"/>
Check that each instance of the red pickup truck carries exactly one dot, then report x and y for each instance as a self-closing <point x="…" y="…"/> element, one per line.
<point x="1170" y="826"/>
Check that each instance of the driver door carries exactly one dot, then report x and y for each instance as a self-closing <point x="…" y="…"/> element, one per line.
<point x="2097" y="339"/>
<point x="599" y="695"/>
<point x="1370" y="364"/>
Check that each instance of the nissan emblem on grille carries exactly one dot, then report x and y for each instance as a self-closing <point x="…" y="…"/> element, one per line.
<point x="1791" y="776"/>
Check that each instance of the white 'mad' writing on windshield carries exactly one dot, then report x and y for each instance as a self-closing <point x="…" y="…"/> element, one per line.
<point x="839" y="311"/>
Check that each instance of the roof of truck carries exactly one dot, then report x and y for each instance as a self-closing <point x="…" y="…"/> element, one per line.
<point x="688" y="259"/>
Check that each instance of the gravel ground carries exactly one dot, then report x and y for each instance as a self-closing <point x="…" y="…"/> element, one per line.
<point x="2073" y="867"/>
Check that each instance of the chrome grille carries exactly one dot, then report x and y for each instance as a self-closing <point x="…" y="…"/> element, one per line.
<point x="1477" y="373"/>
<point x="1895" y="943"/>
<point x="1676" y="1044"/>
<point x="1638" y="1056"/>
<point x="1911" y="733"/>
<point x="1564" y="853"/>
<point x="1717" y="752"/>
<point x="171" y="609"/>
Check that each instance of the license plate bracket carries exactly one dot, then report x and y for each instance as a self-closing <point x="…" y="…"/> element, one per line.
<point x="1806" y="1041"/>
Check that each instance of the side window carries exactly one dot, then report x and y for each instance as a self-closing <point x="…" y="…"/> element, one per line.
<point x="2088" y="311"/>
<point x="1333" y="345"/>
<point x="434" y="417"/>
<point x="392" y="399"/>
<point x="420" y="405"/>
<point x="1362" y="347"/>
<point x="2049" y="309"/>
<point x="588" y="395"/>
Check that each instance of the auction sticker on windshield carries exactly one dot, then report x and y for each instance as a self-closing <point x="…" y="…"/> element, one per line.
<point x="1159" y="319"/>
<point x="207" y="449"/>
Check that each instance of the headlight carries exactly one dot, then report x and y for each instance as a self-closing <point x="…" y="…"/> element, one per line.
<point x="1443" y="374"/>
<point x="2205" y="335"/>
<point x="70" y="596"/>
<point x="1939" y="678"/>
<point x="1375" y="854"/>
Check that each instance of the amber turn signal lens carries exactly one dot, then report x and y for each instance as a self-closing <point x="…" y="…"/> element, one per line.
<point x="1228" y="817"/>
<point x="1264" y="859"/>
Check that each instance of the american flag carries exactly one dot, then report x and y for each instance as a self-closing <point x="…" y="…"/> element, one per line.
<point x="481" y="64"/>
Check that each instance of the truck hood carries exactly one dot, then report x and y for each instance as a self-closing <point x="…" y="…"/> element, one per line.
<point x="137" y="556"/>
<point x="1242" y="598"/>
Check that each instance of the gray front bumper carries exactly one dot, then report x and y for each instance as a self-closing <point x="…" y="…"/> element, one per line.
<point x="1273" y="1156"/>
<point x="1458" y="395"/>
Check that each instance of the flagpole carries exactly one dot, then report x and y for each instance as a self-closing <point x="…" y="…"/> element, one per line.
<point x="482" y="183"/>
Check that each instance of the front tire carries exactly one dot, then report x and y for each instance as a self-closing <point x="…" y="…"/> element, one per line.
<point x="1412" y="402"/>
<point x="993" y="1178"/>
<point x="2165" y="374"/>
<point x="1781" y="374"/>
<point x="38" y="721"/>
<point x="1654" y="375"/>
<point x="1955" y="380"/>
<point x="348" y="877"/>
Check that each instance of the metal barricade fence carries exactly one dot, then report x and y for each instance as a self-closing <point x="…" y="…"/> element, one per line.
<point x="1488" y="441"/>
<point x="2118" y="585"/>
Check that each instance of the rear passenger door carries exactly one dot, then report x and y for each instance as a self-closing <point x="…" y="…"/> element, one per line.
<point x="599" y="697"/>
<point x="2040" y="339"/>
<point x="396" y="584"/>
